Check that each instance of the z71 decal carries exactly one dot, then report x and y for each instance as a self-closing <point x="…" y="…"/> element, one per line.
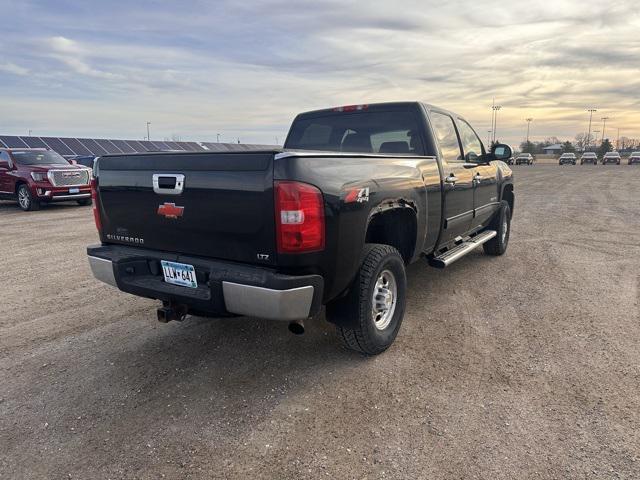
<point x="359" y="195"/>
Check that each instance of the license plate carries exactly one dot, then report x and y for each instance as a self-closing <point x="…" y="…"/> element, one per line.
<point x="74" y="190"/>
<point x="180" y="274"/>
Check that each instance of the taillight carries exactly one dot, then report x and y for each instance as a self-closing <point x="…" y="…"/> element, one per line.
<point x="299" y="217"/>
<point x="94" y="201"/>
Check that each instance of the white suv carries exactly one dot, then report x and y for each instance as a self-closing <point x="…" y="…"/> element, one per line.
<point x="611" y="157"/>
<point x="589" y="157"/>
<point x="634" y="158"/>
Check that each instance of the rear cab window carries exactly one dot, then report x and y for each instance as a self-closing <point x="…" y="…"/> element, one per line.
<point x="396" y="132"/>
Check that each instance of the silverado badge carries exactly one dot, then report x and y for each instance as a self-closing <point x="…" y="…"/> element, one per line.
<point x="169" y="210"/>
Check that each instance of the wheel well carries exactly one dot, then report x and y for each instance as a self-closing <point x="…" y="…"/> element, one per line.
<point x="395" y="227"/>
<point x="18" y="183"/>
<point x="507" y="194"/>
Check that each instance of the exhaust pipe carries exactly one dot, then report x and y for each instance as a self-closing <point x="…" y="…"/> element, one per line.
<point x="171" y="311"/>
<point x="296" y="327"/>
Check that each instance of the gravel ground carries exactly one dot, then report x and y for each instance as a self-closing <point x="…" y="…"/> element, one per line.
<point x="522" y="366"/>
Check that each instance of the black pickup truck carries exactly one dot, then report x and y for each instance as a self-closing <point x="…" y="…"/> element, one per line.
<point x="357" y="193"/>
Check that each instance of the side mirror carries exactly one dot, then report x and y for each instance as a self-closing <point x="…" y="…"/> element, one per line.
<point x="502" y="152"/>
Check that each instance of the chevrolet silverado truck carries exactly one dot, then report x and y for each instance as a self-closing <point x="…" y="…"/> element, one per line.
<point x="357" y="193"/>
<point x="33" y="176"/>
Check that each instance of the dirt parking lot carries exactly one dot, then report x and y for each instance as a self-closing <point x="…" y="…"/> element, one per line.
<point x="522" y="366"/>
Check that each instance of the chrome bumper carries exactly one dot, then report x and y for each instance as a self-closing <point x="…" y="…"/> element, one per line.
<point x="103" y="270"/>
<point x="247" y="300"/>
<point x="64" y="198"/>
<point x="292" y="304"/>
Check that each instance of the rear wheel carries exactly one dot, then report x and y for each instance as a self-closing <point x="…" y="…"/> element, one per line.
<point x="369" y="317"/>
<point x="26" y="200"/>
<point x="502" y="225"/>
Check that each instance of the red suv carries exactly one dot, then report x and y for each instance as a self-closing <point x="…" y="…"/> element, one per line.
<point x="34" y="176"/>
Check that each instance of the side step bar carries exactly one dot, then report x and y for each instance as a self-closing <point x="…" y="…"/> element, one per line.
<point x="456" y="253"/>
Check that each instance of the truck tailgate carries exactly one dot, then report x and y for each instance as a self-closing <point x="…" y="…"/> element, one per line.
<point x="225" y="208"/>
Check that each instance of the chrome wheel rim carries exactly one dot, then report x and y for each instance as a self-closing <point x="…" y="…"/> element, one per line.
<point x="505" y="226"/>
<point x="23" y="198"/>
<point x="385" y="295"/>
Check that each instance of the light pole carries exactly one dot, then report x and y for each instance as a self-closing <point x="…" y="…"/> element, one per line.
<point x="604" y="123"/>
<point x="529" y="120"/>
<point x="148" y="136"/>
<point x="29" y="132"/>
<point x="495" y="108"/>
<point x="591" y="110"/>
<point x="489" y="138"/>
<point x="218" y="137"/>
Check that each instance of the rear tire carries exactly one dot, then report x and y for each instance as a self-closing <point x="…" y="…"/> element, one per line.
<point x="368" y="318"/>
<point x="26" y="201"/>
<point x="84" y="202"/>
<point x="502" y="225"/>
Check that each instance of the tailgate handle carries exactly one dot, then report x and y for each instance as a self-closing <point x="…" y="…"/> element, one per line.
<point x="168" y="183"/>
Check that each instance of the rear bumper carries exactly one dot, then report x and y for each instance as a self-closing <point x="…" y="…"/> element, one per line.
<point x="223" y="287"/>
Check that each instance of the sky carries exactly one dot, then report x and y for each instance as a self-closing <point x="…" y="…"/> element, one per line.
<point x="243" y="69"/>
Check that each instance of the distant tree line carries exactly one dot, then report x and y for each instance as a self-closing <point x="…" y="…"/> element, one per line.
<point x="581" y="143"/>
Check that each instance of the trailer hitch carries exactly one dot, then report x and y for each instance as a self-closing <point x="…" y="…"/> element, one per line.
<point x="172" y="311"/>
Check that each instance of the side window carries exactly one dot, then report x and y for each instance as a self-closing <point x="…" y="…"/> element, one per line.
<point x="446" y="136"/>
<point x="471" y="145"/>
<point x="4" y="159"/>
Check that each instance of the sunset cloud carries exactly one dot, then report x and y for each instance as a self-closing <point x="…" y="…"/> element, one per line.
<point x="243" y="69"/>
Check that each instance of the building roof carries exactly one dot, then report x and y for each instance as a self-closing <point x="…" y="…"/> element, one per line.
<point x="557" y="146"/>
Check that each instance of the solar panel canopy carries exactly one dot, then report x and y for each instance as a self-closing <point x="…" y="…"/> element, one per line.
<point x="70" y="147"/>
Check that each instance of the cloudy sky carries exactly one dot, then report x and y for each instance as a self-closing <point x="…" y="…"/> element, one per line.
<point x="244" y="68"/>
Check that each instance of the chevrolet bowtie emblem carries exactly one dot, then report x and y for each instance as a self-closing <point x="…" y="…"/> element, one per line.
<point x="169" y="210"/>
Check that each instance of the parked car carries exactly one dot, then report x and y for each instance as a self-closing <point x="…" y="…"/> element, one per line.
<point x="567" y="158"/>
<point x="589" y="157"/>
<point x="634" y="158"/>
<point x="35" y="176"/>
<point x="357" y="193"/>
<point x="611" y="157"/>
<point x="525" y="159"/>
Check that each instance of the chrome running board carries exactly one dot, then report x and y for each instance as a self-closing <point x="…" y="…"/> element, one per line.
<point x="456" y="253"/>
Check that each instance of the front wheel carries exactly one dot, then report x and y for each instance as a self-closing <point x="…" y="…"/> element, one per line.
<point x="502" y="225"/>
<point x="368" y="318"/>
<point x="26" y="200"/>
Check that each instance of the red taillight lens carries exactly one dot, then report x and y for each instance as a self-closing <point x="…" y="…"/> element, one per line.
<point x="94" y="201"/>
<point x="299" y="217"/>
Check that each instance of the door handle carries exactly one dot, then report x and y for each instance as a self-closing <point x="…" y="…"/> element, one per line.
<point x="451" y="179"/>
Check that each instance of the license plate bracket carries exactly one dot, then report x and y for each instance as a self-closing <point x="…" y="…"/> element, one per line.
<point x="74" y="190"/>
<point x="181" y="274"/>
